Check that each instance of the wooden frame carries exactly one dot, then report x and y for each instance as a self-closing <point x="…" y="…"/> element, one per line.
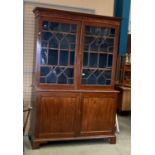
<point x="57" y="104"/>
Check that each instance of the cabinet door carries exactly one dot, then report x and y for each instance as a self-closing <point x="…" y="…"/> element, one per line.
<point x="57" y="115"/>
<point x="98" y="114"/>
<point x="57" y="52"/>
<point x="99" y="52"/>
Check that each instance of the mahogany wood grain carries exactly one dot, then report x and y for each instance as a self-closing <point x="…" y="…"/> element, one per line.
<point x="72" y="111"/>
<point x="57" y="115"/>
<point x="98" y="114"/>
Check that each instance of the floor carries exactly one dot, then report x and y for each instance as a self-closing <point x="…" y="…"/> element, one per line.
<point x="91" y="147"/>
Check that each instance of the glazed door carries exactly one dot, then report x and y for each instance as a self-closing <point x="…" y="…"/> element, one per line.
<point x="98" y="114"/>
<point x="57" y="115"/>
<point x="98" y="56"/>
<point x="57" y="52"/>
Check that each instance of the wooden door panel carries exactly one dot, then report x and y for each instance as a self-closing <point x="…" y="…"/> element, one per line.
<point x="57" y="115"/>
<point x="98" y="115"/>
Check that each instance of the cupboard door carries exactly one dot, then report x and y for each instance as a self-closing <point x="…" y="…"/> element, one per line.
<point x="98" y="55"/>
<point x="57" y="115"/>
<point x="98" y="114"/>
<point x="57" y="52"/>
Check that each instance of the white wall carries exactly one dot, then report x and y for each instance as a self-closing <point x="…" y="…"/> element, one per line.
<point x="129" y="27"/>
<point x="101" y="7"/>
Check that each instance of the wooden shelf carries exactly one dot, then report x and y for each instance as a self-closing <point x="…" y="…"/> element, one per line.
<point x="98" y="36"/>
<point x="58" y="49"/>
<point x="101" y="52"/>
<point x="68" y="66"/>
<point x="96" y="68"/>
<point x="59" y="32"/>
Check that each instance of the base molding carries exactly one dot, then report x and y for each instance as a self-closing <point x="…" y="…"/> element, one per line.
<point x="35" y="143"/>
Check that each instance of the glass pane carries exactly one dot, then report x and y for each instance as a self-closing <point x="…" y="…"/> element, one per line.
<point x="71" y="38"/>
<point x="91" y="80"/>
<point x="110" y="57"/>
<point x="65" y="27"/>
<point x="98" y="73"/>
<point x="59" y="36"/>
<point x="88" y="76"/>
<point x="52" y="57"/>
<point x="58" y="41"/>
<point x="52" y="77"/>
<point x="86" y="47"/>
<point x="60" y="75"/>
<point x="45" y="25"/>
<point x="44" y="44"/>
<point x="53" y="43"/>
<point x="107" y="74"/>
<point x="44" y="71"/>
<point x="69" y="72"/>
<point x="85" y="59"/>
<point x="98" y="55"/>
<point x="64" y="44"/>
<point x="110" y="42"/>
<point x="97" y="31"/>
<point x="101" y="80"/>
<point x="112" y="32"/>
<point x="43" y="58"/>
<point x="72" y="58"/>
<point x="62" y="79"/>
<point x="54" y="26"/>
<point x="58" y="70"/>
<point x="85" y="73"/>
<point x="72" y="46"/>
<point x="93" y="60"/>
<point x="70" y="81"/>
<point x="89" y="40"/>
<point x="46" y="35"/>
<point x="105" y="31"/>
<point x="73" y="28"/>
<point x="90" y="30"/>
<point x="63" y="58"/>
<point x="108" y="82"/>
<point x="102" y="60"/>
<point x="94" y="46"/>
<point x="103" y="47"/>
<point x="110" y="49"/>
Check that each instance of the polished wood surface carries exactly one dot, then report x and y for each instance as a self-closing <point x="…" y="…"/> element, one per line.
<point x="98" y="113"/>
<point x="68" y="116"/>
<point x="73" y="111"/>
<point x="70" y="15"/>
<point x="57" y="114"/>
<point x="124" y="99"/>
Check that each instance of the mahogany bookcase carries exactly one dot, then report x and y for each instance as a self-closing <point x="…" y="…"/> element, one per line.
<point x="74" y="76"/>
